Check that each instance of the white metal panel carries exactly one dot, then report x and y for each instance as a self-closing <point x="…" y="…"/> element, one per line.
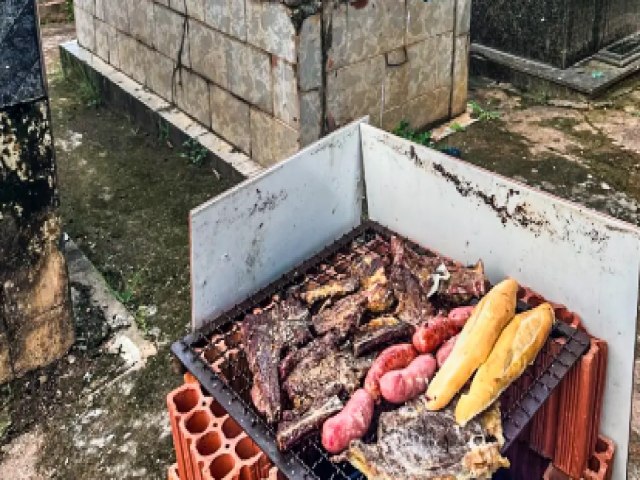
<point x="567" y="253"/>
<point x="249" y="236"/>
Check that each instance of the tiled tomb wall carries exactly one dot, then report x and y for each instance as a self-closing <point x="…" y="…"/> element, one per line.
<point x="273" y="76"/>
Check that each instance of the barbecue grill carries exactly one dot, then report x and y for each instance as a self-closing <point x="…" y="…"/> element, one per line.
<point x="266" y="234"/>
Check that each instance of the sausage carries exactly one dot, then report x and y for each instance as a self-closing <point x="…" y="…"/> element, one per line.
<point x="393" y="358"/>
<point x="431" y="335"/>
<point x="461" y="314"/>
<point x="445" y="350"/>
<point x="350" y="424"/>
<point x="400" y="386"/>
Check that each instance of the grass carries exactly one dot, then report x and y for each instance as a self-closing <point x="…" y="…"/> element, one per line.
<point x="193" y="151"/>
<point x="405" y="130"/>
<point x="481" y="113"/>
<point x="85" y="84"/>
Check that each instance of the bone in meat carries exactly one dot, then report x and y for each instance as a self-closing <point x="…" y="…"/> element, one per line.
<point x="316" y="291"/>
<point x="293" y="429"/>
<point x="416" y="444"/>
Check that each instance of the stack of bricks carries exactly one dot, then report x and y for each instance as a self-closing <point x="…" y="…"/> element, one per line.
<point x="273" y="76"/>
<point x="209" y="444"/>
<point x="565" y="431"/>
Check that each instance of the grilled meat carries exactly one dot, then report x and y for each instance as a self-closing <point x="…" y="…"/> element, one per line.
<point x="294" y="428"/>
<point x="380" y="332"/>
<point x="265" y="335"/>
<point x="371" y="270"/>
<point x="464" y="284"/>
<point x="453" y="283"/>
<point x="342" y="318"/>
<point x="416" y="444"/>
<point x="313" y="381"/>
<point x="413" y="305"/>
<point x="314" y="351"/>
<point x="331" y="288"/>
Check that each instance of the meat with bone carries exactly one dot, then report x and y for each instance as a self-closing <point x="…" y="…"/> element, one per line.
<point x="454" y="283"/>
<point x="313" y="381"/>
<point x="380" y="332"/>
<point x="342" y="318"/>
<point x="330" y="288"/>
<point x="464" y="284"/>
<point x="294" y="428"/>
<point x="416" y="444"/>
<point x="265" y="335"/>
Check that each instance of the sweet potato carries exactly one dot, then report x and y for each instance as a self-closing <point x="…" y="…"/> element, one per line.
<point x="350" y="424"/>
<point x="445" y="350"/>
<point x="400" y="386"/>
<point x="393" y="358"/>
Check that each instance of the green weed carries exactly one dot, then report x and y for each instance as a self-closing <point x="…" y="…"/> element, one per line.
<point x="456" y="127"/>
<point x="127" y="295"/>
<point x="68" y="7"/>
<point x="404" y="130"/>
<point x="86" y="84"/>
<point x="194" y="152"/>
<point x="482" y="114"/>
<point x="163" y="131"/>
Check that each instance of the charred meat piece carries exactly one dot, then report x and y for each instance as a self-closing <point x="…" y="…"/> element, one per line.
<point x="314" y="351"/>
<point x="371" y="269"/>
<point x="331" y="288"/>
<point x="413" y="305"/>
<point x="293" y="429"/>
<point x="414" y="443"/>
<point x="380" y="332"/>
<point x="313" y="381"/>
<point x="464" y="284"/>
<point x="342" y="318"/>
<point x="265" y="335"/>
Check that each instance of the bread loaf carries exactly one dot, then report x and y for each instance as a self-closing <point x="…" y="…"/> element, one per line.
<point x="516" y="349"/>
<point x="474" y="343"/>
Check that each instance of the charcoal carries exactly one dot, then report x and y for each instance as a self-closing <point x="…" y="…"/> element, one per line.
<point x="379" y="333"/>
<point x="293" y="429"/>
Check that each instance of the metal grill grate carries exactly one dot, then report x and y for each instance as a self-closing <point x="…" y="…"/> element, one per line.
<point x="215" y="357"/>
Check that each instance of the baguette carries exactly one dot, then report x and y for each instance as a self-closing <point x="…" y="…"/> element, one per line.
<point x="514" y="351"/>
<point x="474" y="343"/>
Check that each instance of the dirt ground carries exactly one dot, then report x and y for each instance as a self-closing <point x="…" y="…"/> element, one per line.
<point x="125" y="196"/>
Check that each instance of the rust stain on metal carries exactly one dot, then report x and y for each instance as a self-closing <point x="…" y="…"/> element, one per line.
<point x="521" y="215"/>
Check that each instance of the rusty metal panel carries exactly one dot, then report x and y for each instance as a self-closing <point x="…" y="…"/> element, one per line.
<point x="249" y="236"/>
<point x="565" y="252"/>
<point x="21" y="72"/>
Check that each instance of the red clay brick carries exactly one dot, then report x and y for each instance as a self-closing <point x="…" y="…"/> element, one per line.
<point x="192" y="426"/>
<point x="181" y="402"/>
<point x="172" y="472"/>
<point x="544" y="427"/>
<point x="577" y="406"/>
